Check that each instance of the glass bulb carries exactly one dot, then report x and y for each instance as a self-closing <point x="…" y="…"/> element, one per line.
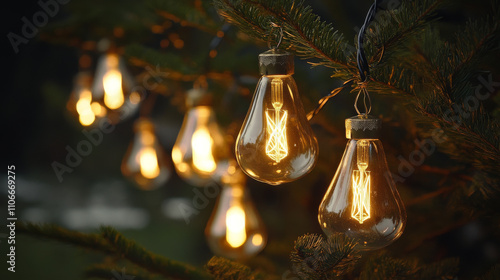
<point x="235" y="230"/>
<point x="276" y="143"/>
<point x="144" y="161"/>
<point x="200" y="153"/>
<point x="362" y="200"/>
<point x="112" y="89"/>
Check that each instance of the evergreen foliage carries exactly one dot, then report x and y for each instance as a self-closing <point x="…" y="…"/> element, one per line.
<point x="408" y="59"/>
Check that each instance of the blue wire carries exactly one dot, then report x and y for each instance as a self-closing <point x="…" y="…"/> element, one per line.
<point x="363" y="67"/>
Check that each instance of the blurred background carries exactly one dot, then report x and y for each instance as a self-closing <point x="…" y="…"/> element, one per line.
<point x="166" y="48"/>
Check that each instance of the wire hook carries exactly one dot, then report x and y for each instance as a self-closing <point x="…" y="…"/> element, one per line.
<point x="366" y="97"/>
<point x="279" y="37"/>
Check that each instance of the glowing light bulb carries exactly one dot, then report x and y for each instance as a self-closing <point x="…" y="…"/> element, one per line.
<point x="235" y="230"/>
<point x="144" y="162"/>
<point x="362" y="200"/>
<point x="200" y="153"/>
<point x="111" y="89"/>
<point x="276" y="143"/>
<point x="113" y="94"/>
<point x="235" y="226"/>
<point x="149" y="163"/>
<point x="202" y="144"/>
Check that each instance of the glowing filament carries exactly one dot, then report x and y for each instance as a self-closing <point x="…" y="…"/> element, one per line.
<point x="202" y="143"/>
<point x="235" y="226"/>
<point x="276" y="146"/>
<point x="113" y="94"/>
<point x="361" y="183"/>
<point x="360" y="195"/>
<point x="149" y="163"/>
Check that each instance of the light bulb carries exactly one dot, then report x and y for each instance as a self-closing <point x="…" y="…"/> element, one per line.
<point x="276" y="143"/>
<point x="144" y="161"/>
<point x="235" y="230"/>
<point x="200" y="153"/>
<point x="362" y="200"/>
<point x="112" y="89"/>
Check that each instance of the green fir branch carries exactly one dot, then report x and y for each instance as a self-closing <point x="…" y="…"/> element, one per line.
<point x="306" y="33"/>
<point x="391" y="29"/>
<point x="111" y="242"/>
<point x="153" y="262"/>
<point x="315" y="257"/>
<point x="90" y="241"/>
<point x="221" y="268"/>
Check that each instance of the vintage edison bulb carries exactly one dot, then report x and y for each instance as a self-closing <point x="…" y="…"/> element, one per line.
<point x="200" y="153"/>
<point x="276" y="143"/>
<point x="235" y="229"/>
<point x="144" y="162"/>
<point x="113" y="88"/>
<point x="362" y="200"/>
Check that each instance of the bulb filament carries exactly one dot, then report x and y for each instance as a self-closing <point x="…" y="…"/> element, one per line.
<point x="276" y="146"/>
<point x="361" y="184"/>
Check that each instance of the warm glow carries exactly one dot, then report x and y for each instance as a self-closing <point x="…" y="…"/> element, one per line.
<point x="98" y="110"/>
<point x="360" y="195"/>
<point x="361" y="184"/>
<point x="147" y="138"/>
<point x="202" y="143"/>
<point x="257" y="239"/>
<point x="176" y="155"/>
<point x="149" y="163"/>
<point x="87" y="119"/>
<point x="134" y="97"/>
<point x="84" y="108"/>
<point x="276" y="146"/>
<point x="83" y="103"/>
<point x="113" y="93"/>
<point x="235" y="226"/>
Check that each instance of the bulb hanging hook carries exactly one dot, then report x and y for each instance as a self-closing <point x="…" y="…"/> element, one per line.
<point x="278" y="36"/>
<point x="366" y="97"/>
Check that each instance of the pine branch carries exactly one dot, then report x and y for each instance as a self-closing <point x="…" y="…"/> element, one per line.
<point x="221" y="268"/>
<point x="113" y="243"/>
<point x="396" y="27"/>
<point x="306" y="33"/>
<point x="314" y="257"/>
<point x="85" y="240"/>
<point x="152" y="262"/>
